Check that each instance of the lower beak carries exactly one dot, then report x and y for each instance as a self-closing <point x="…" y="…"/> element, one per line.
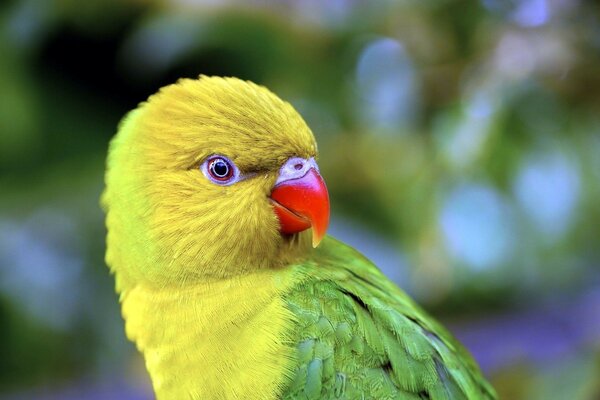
<point x="302" y="203"/>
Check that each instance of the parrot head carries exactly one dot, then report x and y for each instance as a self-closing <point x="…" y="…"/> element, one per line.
<point x="210" y="178"/>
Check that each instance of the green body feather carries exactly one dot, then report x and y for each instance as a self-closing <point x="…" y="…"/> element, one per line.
<point x="360" y="337"/>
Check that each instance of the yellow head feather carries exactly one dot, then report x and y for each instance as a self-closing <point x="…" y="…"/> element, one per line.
<point x="166" y="221"/>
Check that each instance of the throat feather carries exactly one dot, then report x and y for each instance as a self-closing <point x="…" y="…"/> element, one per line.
<point x="225" y="339"/>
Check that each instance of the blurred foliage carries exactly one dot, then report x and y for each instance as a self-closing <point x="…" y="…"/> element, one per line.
<point x="463" y="137"/>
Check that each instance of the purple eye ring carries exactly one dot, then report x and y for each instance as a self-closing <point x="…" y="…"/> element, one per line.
<point x="220" y="170"/>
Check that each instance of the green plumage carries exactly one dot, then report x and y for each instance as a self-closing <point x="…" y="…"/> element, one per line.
<point x="359" y="337"/>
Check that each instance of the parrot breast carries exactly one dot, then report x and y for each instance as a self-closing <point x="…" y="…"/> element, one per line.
<point x="219" y="340"/>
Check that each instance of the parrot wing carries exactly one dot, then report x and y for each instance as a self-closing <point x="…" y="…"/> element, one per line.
<point x="360" y="337"/>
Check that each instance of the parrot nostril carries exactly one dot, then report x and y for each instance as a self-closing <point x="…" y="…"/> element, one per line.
<point x="298" y="166"/>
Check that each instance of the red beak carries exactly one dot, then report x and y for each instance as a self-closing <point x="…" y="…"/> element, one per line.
<point x="301" y="203"/>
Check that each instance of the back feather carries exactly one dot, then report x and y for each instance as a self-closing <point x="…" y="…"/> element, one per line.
<point x="360" y="337"/>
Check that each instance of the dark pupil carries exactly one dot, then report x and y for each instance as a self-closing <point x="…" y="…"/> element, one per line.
<point x="220" y="168"/>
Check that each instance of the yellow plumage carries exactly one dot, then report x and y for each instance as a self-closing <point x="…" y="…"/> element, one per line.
<point x="216" y="341"/>
<point x="181" y="312"/>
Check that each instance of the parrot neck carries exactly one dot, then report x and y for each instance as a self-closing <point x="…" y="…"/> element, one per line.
<point x="224" y="339"/>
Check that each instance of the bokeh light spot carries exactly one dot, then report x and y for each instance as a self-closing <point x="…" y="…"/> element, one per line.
<point x="547" y="188"/>
<point x="386" y="81"/>
<point x="476" y="223"/>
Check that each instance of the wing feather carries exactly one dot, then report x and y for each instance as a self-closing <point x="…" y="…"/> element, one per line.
<point x="359" y="336"/>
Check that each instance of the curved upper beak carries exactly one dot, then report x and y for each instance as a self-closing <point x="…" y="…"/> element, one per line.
<point x="300" y="199"/>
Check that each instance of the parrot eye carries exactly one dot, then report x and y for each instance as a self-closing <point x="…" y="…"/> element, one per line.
<point x="220" y="170"/>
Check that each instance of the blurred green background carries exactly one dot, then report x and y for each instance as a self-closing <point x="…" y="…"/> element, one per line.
<point x="460" y="142"/>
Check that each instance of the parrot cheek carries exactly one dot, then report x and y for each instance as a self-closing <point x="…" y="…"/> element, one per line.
<point x="302" y="201"/>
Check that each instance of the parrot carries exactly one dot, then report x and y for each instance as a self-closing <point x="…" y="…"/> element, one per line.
<point x="216" y="216"/>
